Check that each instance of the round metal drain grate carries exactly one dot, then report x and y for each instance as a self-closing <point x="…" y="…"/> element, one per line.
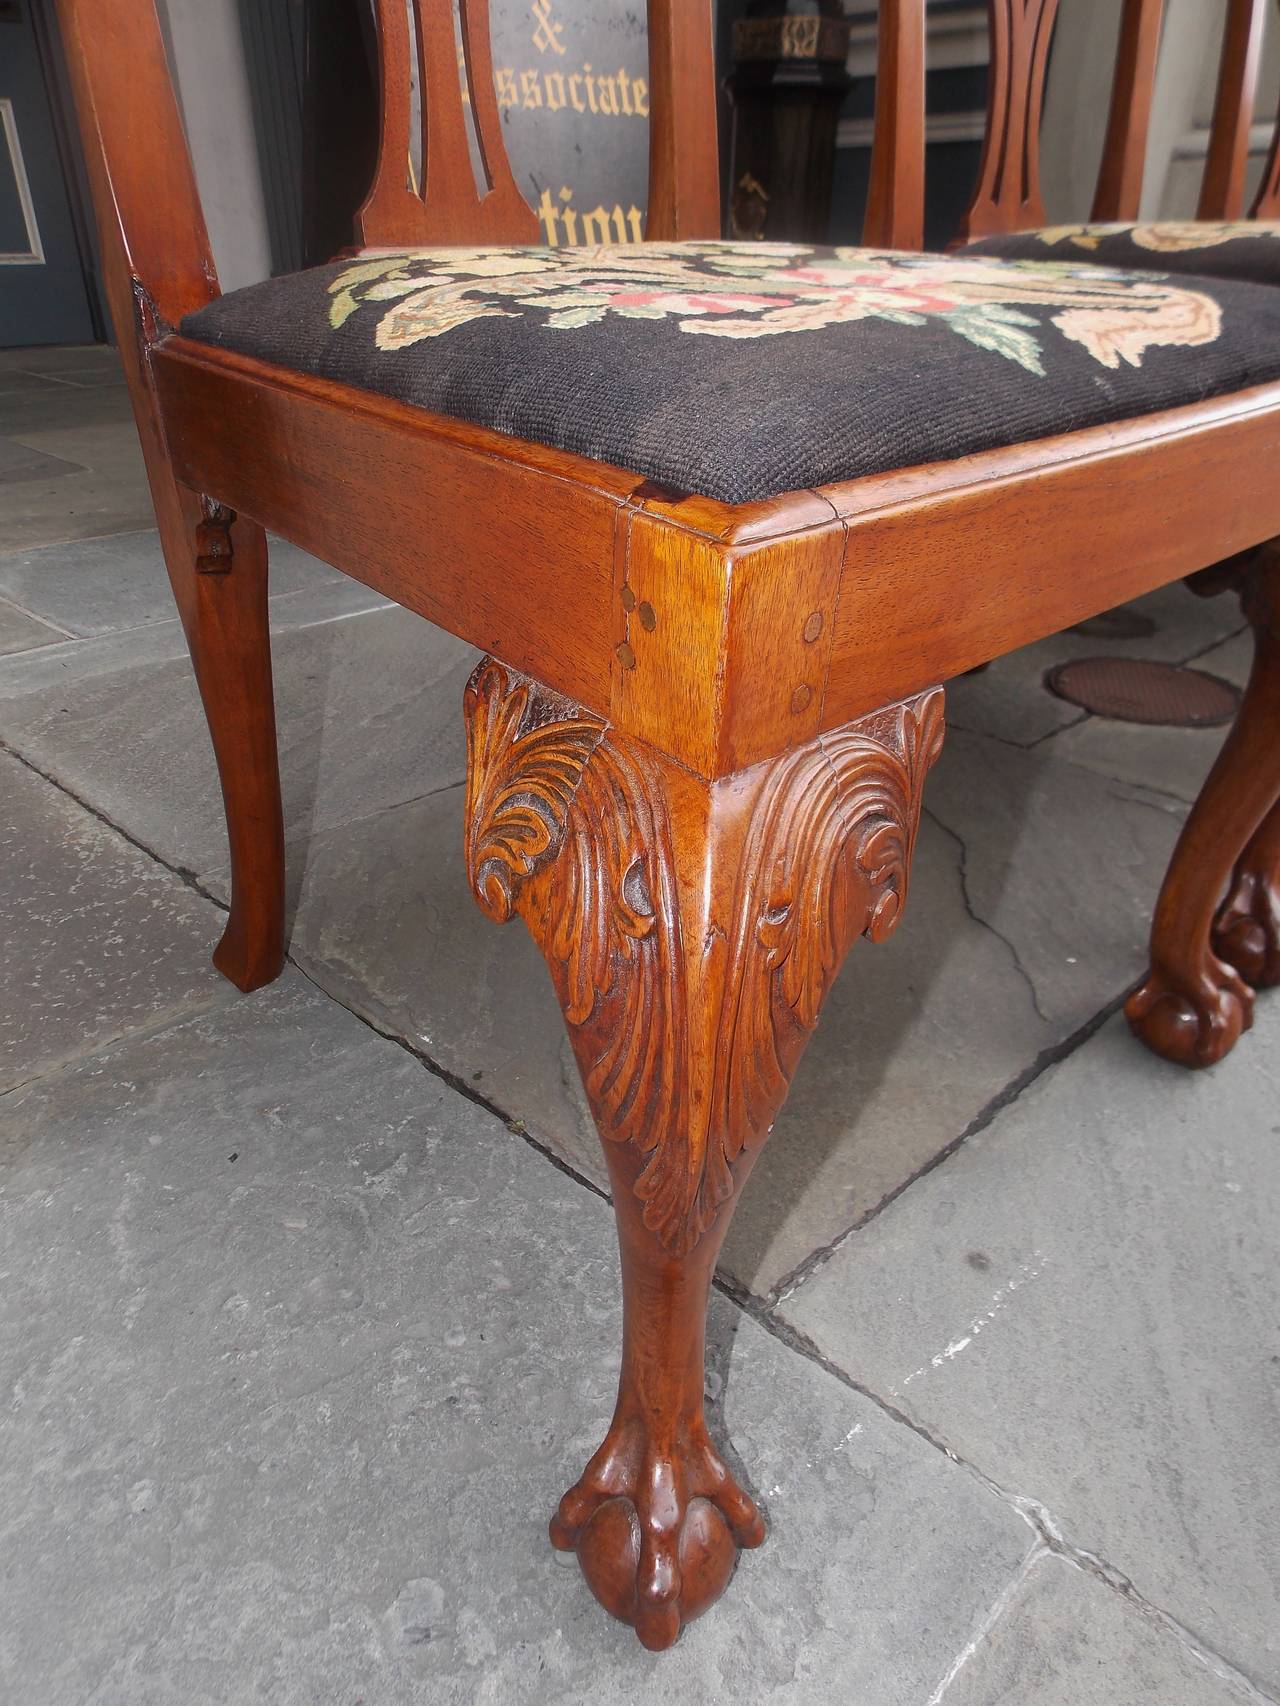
<point x="1135" y="690"/>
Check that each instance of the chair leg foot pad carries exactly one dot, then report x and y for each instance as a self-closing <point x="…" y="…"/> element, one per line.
<point x="1192" y="1023"/>
<point x="656" y="1530"/>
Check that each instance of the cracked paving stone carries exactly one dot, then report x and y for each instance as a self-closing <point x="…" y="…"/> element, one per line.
<point x="1066" y="1639"/>
<point x="96" y="939"/>
<point x="299" y="1349"/>
<point x="107" y="493"/>
<point x="20" y="632"/>
<point x="1083" y="1303"/>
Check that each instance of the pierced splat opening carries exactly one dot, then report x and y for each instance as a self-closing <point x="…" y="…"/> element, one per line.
<point x="443" y="173"/>
<point x="479" y="162"/>
<point x="480" y="173"/>
<point x="639" y="99"/>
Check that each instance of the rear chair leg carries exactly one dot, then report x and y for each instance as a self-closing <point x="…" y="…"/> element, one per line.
<point x="217" y="565"/>
<point x="1206" y="952"/>
<point x="692" y="930"/>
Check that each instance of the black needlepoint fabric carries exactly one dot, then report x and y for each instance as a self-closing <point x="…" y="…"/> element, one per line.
<point x="744" y="370"/>
<point x="1244" y="249"/>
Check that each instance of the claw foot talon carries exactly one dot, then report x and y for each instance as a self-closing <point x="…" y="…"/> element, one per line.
<point x="656" y="1533"/>
<point x="1192" y="1023"/>
<point x="1246" y="932"/>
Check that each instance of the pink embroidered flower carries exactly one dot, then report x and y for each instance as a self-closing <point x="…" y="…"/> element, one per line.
<point x="759" y="290"/>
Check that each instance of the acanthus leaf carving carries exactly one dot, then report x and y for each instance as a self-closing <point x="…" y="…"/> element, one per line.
<point x="827" y="858"/>
<point x="524" y="766"/>
<point x="570" y="824"/>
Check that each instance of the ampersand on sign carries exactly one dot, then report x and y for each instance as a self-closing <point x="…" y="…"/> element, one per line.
<point x="547" y="34"/>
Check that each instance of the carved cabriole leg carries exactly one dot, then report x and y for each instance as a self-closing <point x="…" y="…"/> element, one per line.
<point x="217" y="565"/>
<point x="1196" y="1001"/>
<point x="692" y="930"/>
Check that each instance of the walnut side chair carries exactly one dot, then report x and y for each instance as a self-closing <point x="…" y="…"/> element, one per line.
<point x="724" y="518"/>
<point x="1007" y="215"/>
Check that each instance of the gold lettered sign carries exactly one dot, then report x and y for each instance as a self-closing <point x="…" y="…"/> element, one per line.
<point x="572" y="79"/>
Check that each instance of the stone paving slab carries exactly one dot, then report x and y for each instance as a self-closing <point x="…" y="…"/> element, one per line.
<point x="14" y="382"/>
<point x="1232" y="660"/>
<point x="1062" y="865"/>
<point x="369" y="711"/>
<point x="1067" y="1639"/>
<point x="24" y="673"/>
<point x="96" y="939"/>
<point x="54" y="408"/>
<point x="301" y="1348"/>
<point x="100" y="586"/>
<point x="110" y="495"/>
<point x="18" y="464"/>
<point x="93" y="378"/>
<point x="1174" y="761"/>
<point x="1009" y="699"/>
<point x="58" y="358"/>
<point x="20" y="632"/>
<point x="918" y="1036"/>
<point x="1083" y="1302"/>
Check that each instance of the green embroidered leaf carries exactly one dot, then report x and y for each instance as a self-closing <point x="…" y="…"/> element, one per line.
<point x="341" y="309"/>
<point x="746" y="265"/>
<point x="569" y="319"/>
<point x="366" y="270"/>
<point x="392" y="288"/>
<point x="343" y="289"/>
<point x="992" y="326"/>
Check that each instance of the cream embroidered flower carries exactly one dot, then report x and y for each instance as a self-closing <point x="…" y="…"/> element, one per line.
<point x="757" y="290"/>
<point x="1170" y="237"/>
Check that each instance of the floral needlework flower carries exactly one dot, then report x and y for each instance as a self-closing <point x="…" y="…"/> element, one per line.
<point x="755" y="290"/>
<point x="1168" y="237"/>
<point x="1200" y="234"/>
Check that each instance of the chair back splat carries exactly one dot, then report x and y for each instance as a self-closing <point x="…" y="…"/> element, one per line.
<point x="459" y="106"/>
<point x="1267" y="203"/>
<point x="1124" y="154"/>
<point x="1008" y="193"/>
<point x="1222" y="193"/>
<point x="895" y="201"/>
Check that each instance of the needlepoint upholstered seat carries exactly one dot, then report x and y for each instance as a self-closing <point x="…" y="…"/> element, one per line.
<point x="1219" y="242"/>
<point x="739" y="371"/>
<point x="1245" y="249"/>
<point x="725" y="519"/>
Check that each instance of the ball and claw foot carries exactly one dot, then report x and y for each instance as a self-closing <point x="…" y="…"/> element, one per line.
<point x="1192" y="1022"/>
<point x="657" y="1533"/>
<point x="1246" y="932"/>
